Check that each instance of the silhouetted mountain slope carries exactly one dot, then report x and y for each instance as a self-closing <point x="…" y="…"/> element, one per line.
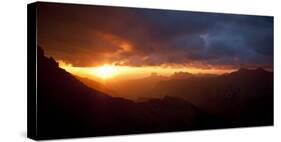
<point x="244" y="97"/>
<point x="68" y="108"/>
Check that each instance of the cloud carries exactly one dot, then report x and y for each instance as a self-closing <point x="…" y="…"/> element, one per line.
<point x="94" y="35"/>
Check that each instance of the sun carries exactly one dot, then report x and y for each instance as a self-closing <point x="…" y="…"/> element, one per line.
<point x="106" y="71"/>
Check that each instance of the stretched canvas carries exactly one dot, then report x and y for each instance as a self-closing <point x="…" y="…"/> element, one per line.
<point x="105" y="70"/>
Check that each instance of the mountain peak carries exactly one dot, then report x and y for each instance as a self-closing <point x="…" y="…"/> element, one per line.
<point x="260" y="69"/>
<point x="242" y="69"/>
<point x="40" y="51"/>
<point x="181" y="75"/>
<point x="250" y="72"/>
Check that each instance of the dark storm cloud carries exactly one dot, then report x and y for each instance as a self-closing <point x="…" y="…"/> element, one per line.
<point x="91" y="35"/>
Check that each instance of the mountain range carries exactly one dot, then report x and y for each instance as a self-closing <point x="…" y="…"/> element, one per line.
<point x="243" y="97"/>
<point x="66" y="107"/>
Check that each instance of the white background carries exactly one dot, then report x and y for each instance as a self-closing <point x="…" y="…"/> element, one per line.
<point x="13" y="70"/>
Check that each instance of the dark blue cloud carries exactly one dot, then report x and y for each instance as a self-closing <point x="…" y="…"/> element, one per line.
<point x="87" y="33"/>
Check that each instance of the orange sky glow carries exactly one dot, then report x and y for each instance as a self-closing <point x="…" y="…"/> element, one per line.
<point x="108" y="72"/>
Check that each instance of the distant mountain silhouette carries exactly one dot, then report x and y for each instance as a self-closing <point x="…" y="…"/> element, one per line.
<point x="135" y="88"/>
<point x="140" y="89"/>
<point x="181" y="75"/>
<point x="68" y="108"/>
<point x="243" y="97"/>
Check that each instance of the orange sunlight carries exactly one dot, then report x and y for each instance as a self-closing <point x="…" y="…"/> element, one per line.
<point x="108" y="72"/>
<point x="105" y="72"/>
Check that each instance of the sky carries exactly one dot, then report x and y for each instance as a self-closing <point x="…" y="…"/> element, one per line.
<point x="90" y="36"/>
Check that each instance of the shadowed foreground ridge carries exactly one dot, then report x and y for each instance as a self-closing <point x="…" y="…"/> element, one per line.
<point x="68" y="108"/>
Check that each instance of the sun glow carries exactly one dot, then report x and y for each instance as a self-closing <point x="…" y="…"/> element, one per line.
<point x="106" y="71"/>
